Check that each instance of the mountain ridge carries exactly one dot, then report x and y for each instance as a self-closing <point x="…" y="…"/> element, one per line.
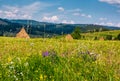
<point x="36" y="28"/>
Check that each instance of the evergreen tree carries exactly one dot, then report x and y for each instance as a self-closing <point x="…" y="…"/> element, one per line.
<point x="76" y="33"/>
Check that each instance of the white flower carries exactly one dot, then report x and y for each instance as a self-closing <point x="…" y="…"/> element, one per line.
<point x="31" y="44"/>
<point x="26" y="64"/>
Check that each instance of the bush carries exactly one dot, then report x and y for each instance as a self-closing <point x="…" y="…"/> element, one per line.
<point x="109" y="37"/>
<point x="96" y="38"/>
<point x="118" y="37"/>
<point x="76" y="33"/>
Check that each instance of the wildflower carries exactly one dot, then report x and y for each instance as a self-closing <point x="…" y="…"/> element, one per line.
<point x="52" y="79"/>
<point x="11" y="67"/>
<point x="19" y="60"/>
<point x="46" y="53"/>
<point x="21" y="73"/>
<point x="16" y="78"/>
<point x="31" y="44"/>
<point x="41" y="77"/>
<point x="26" y="64"/>
<point x="45" y="76"/>
<point x="11" y="62"/>
<point x="9" y="59"/>
<point x="91" y="53"/>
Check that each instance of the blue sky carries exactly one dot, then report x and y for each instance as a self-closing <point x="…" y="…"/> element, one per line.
<point x="102" y="12"/>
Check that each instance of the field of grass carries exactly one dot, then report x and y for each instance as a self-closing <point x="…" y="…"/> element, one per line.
<point x="91" y="36"/>
<point x="59" y="60"/>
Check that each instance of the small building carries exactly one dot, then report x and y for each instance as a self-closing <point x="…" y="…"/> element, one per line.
<point x="22" y="34"/>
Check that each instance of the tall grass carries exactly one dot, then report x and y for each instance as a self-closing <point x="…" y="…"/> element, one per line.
<point x="59" y="60"/>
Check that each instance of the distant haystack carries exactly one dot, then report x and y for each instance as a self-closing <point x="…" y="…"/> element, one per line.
<point x="102" y="39"/>
<point x="22" y="34"/>
<point x="68" y="37"/>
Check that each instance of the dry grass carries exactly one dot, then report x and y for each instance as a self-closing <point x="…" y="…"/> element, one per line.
<point x="68" y="37"/>
<point x="22" y="34"/>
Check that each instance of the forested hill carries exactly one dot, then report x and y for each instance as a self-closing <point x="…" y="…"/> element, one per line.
<point x="39" y="29"/>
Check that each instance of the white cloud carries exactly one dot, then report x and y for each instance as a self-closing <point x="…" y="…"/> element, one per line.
<point x="89" y="16"/>
<point x="68" y="22"/>
<point x="1" y="11"/>
<point x="76" y="14"/>
<point x="109" y="24"/>
<point x="102" y="19"/>
<point x="118" y="24"/>
<point x="82" y="14"/>
<point x="111" y="1"/>
<point x="74" y="10"/>
<point x="77" y="10"/>
<point x="61" y="9"/>
<point x="10" y="14"/>
<point x="22" y="12"/>
<point x="50" y="19"/>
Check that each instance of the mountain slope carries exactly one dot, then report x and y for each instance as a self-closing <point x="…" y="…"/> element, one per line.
<point x="31" y="22"/>
<point x="103" y="34"/>
<point x="4" y="22"/>
<point x="39" y="29"/>
<point x="37" y="23"/>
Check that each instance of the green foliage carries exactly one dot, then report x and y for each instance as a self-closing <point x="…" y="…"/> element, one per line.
<point x="108" y="37"/>
<point x="76" y="33"/>
<point x="95" y="38"/>
<point x="118" y="37"/>
<point x="57" y="60"/>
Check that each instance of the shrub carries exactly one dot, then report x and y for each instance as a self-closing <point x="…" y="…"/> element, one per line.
<point x="76" y="33"/>
<point x="109" y="37"/>
<point x="118" y="37"/>
<point x="95" y="38"/>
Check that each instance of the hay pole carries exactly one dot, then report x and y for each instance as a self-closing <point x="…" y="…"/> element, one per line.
<point x="28" y="26"/>
<point x="44" y="32"/>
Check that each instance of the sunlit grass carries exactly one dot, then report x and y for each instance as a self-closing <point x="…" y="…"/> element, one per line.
<point x="59" y="60"/>
<point x="91" y="36"/>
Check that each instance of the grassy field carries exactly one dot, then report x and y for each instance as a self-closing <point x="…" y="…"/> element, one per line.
<point x="101" y="34"/>
<point x="59" y="60"/>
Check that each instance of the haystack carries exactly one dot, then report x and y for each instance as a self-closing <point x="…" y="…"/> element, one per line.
<point x="22" y="34"/>
<point x="68" y="37"/>
<point x="102" y="39"/>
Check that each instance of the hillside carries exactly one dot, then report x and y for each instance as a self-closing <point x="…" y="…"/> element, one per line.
<point x="4" y="22"/>
<point x="103" y="34"/>
<point x="40" y="29"/>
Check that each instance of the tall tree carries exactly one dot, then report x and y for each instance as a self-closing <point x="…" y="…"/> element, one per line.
<point x="76" y="33"/>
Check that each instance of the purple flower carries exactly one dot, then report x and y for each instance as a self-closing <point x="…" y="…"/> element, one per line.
<point x="45" y="53"/>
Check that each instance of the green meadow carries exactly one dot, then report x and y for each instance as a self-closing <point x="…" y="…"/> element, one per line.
<point x="52" y="59"/>
<point x="98" y="35"/>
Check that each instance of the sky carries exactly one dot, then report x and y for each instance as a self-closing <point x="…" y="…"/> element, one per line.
<point x="101" y="12"/>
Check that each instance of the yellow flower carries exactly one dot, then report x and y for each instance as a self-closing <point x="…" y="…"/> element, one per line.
<point x="52" y="79"/>
<point x="41" y="77"/>
<point x="45" y="76"/>
<point x="9" y="59"/>
<point x="50" y="76"/>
